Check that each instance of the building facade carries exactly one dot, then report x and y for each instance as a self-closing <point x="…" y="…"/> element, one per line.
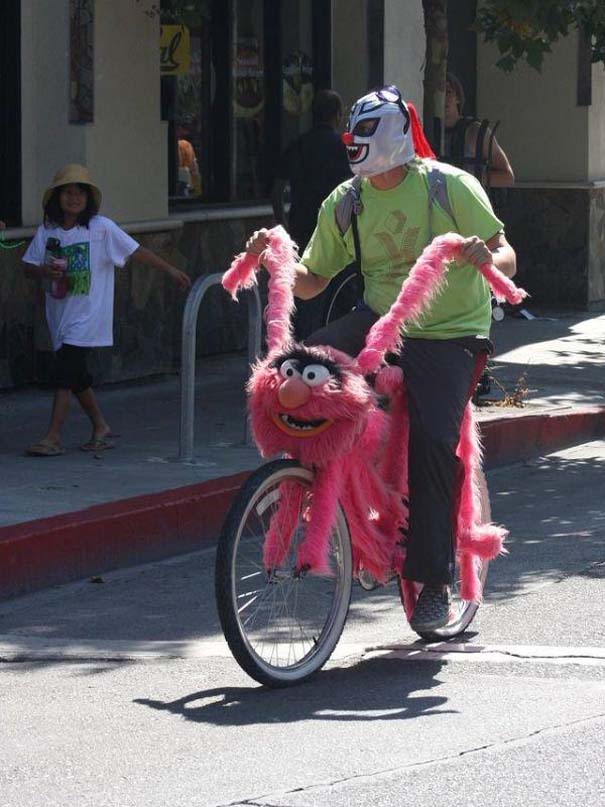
<point x="181" y="115"/>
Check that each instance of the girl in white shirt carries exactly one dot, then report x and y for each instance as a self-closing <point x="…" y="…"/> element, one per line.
<point x="93" y="246"/>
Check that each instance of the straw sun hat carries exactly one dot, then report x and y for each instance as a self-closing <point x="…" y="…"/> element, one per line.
<point x="69" y="174"/>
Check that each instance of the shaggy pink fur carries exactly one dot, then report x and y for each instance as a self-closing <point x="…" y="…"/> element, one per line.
<point x="280" y="258"/>
<point x="282" y="525"/>
<point x="357" y="451"/>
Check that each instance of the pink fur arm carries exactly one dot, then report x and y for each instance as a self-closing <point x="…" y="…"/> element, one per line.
<point x="502" y="286"/>
<point x="241" y="273"/>
<point x="421" y="286"/>
<point x="419" y="289"/>
<point x="280" y="258"/>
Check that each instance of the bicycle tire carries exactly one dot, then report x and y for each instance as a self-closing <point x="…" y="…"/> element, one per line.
<point x="341" y="295"/>
<point x="282" y="600"/>
<point x="463" y="611"/>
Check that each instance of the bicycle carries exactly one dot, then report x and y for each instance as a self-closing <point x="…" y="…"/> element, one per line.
<point x="336" y="508"/>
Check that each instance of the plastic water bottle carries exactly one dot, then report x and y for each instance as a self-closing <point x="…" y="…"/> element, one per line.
<point x="52" y="257"/>
<point x="59" y="286"/>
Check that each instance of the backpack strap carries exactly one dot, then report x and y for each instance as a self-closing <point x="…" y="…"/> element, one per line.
<point x="346" y="212"/>
<point x="348" y="205"/>
<point x="437" y="190"/>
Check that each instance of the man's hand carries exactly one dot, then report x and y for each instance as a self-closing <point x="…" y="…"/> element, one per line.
<point x="258" y="241"/>
<point x="476" y="252"/>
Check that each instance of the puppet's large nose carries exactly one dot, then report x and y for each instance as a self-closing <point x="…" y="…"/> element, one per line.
<point x="293" y="392"/>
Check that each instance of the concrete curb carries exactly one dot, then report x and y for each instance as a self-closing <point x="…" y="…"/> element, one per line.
<point x="518" y="437"/>
<point x="51" y="551"/>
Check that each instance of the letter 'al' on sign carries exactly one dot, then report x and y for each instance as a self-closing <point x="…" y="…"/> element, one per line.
<point x="175" y="50"/>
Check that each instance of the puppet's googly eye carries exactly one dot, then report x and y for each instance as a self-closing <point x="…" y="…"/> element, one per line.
<point x="289" y="369"/>
<point x="315" y="374"/>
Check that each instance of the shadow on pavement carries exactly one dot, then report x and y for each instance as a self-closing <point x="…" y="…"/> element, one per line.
<point x="374" y="689"/>
<point x="556" y="521"/>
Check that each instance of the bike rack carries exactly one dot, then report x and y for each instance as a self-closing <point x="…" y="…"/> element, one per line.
<point x="189" y="331"/>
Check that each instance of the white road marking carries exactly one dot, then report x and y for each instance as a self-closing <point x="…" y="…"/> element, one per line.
<point x="18" y="648"/>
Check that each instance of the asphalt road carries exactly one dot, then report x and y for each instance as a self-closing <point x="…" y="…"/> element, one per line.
<point x="122" y="692"/>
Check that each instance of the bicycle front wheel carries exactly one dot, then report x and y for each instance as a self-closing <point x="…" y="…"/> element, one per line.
<point x="281" y="626"/>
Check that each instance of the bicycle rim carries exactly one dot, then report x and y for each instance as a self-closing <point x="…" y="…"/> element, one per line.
<point x="280" y="627"/>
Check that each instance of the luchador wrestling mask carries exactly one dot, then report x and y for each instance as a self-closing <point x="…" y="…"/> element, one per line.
<point x="379" y="133"/>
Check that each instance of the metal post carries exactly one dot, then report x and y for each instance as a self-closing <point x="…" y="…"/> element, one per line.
<point x="188" y="345"/>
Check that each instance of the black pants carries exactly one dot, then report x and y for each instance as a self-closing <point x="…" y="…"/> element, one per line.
<point x="440" y="375"/>
<point x="71" y="370"/>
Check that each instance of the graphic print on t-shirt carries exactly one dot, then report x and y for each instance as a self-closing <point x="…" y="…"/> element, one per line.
<point x="78" y="267"/>
<point x="399" y="243"/>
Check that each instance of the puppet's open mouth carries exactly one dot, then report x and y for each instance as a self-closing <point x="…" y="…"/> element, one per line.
<point x="300" y="428"/>
<point x="357" y="152"/>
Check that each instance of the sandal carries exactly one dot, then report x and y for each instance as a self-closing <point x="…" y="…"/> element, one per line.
<point x="100" y="444"/>
<point x="43" y="449"/>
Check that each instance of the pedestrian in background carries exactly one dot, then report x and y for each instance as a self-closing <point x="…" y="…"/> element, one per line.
<point x="74" y="252"/>
<point x="313" y="165"/>
<point x="471" y="144"/>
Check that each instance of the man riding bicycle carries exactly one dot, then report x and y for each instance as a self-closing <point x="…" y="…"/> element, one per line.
<point x="398" y="203"/>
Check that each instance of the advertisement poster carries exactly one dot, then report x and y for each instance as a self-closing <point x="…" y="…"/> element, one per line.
<point x="175" y="50"/>
<point x="248" y="76"/>
<point x="297" y="83"/>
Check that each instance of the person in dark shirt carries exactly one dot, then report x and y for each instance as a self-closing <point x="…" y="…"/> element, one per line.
<point x="471" y="145"/>
<point x="313" y="165"/>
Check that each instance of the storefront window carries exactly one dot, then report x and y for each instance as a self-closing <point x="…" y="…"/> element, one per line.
<point x="238" y="79"/>
<point x="182" y="85"/>
<point x="10" y="114"/>
<point x="249" y="96"/>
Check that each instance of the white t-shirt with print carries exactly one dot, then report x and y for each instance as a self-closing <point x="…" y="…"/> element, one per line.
<point x="85" y="316"/>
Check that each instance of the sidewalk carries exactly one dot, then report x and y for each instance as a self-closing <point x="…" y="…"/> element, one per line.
<point x="66" y="517"/>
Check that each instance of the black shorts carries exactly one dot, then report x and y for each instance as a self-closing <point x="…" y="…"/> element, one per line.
<point x="71" y="370"/>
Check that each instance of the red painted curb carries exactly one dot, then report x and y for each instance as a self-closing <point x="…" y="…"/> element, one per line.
<point x="56" y="550"/>
<point x="515" y="438"/>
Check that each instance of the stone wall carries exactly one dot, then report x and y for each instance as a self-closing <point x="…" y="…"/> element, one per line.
<point x="558" y="233"/>
<point x="148" y="309"/>
<point x="559" y="236"/>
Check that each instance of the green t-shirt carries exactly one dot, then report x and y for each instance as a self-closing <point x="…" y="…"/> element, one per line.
<point x="394" y="230"/>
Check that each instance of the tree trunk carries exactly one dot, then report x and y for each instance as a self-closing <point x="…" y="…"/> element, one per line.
<point x="435" y="70"/>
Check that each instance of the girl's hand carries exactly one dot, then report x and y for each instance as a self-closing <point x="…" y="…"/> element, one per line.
<point x="476" y="252"/>
<point x="182" y="279"/>
<point x="48" y="270"/>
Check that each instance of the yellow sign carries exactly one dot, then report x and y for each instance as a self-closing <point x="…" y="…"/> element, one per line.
<point x="175" y="50"/>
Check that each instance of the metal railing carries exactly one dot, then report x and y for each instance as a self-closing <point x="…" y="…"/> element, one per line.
<point x="188" y="345"/>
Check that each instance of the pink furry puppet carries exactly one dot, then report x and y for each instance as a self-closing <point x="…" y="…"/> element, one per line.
<point x="314" y="404"/>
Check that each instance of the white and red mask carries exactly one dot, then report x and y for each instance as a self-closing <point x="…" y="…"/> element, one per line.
<point x="381" y="133"/>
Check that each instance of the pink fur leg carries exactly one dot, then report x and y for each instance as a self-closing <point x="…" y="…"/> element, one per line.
<point x="470" y="584"/>
<point x="314" y="552"/>
<point x="373" y="548"/>
<point x="395" y="457"/>
<point x="282" y="526"/>
<point x="475" y="541"/>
